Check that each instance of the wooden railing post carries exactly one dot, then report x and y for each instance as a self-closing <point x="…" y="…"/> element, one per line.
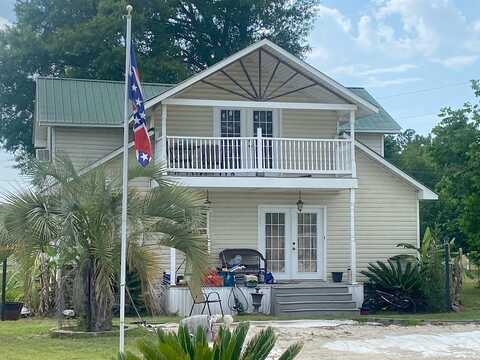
<point x="259" y="149"/>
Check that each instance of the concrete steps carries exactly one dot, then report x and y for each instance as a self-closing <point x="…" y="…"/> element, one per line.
<point x="312" y="299"/>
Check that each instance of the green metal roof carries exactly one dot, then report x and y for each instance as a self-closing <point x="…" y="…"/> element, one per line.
<point x="376" y="122"/>
<point x="81" y="102"/>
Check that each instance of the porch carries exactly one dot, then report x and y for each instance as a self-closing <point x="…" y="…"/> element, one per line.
<point x="282" y="299"/>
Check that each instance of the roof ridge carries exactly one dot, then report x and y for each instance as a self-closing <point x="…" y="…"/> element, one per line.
<point x="98" y="80"/>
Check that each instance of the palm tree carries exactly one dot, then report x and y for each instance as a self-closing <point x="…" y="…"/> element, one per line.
<point x="77" y="219"/>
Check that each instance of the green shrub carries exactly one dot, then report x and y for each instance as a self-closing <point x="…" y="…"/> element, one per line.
<point x="395" y="276"/>
<point x="227" y="346"/>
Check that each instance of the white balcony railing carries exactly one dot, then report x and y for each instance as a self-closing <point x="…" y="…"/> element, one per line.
<point x="258" y="154"/>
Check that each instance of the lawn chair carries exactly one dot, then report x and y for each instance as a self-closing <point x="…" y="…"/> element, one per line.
<point x="206" y="300"/>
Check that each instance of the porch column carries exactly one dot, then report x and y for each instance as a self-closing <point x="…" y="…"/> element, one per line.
<point x="173" y="266"/>
<point x="352" y="140"/>
<point x="163" y="156"/>
<point x="353" y="244"/>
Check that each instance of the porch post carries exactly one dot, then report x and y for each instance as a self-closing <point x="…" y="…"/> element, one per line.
<point x="353" y="243"/>
<point x="352" y="143"/>
<point x="164" y="135"/>
<point x="259" y="149"/>
<point x="173" y="266"/>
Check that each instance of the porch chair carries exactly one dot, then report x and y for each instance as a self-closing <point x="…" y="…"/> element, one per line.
<point x="205" y="300"/>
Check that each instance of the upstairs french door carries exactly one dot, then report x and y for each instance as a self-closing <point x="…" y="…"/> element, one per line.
<point x="293" y="242"/>
<point x="235" y="123"/>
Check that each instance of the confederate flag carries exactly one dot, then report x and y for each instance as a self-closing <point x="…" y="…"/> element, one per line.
<point x="143" y="146"/>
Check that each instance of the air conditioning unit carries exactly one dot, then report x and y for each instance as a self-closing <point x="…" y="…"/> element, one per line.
<point x="42" y="154"/>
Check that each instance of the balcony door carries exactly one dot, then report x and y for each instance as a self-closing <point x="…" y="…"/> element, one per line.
<point x="293" y="242"/>
<point x="231" y="123"/>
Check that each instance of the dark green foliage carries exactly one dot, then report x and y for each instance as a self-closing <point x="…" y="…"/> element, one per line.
<point x="448" y="161"/>
<point x="227" y="346"/>
<point x="172" y="38"/>
<point x="395" y="275"/>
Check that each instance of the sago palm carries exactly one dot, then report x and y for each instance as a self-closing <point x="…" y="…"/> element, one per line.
<point x="77" y="219"/>
<point x="227" y="346"/>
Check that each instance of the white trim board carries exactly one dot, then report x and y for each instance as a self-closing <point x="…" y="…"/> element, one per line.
<point x="424" y="193"/>
<point x="244" y="182"/>
<point x="259" y="104"/>
<point x="321" y="77"/>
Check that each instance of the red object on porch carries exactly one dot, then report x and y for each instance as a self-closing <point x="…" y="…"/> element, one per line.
<point x="212" y="278"/>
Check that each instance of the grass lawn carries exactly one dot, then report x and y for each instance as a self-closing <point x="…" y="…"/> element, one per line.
<point x="28" y="339"/>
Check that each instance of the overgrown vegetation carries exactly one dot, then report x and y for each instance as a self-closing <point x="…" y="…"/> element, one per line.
<point x="227" y="346"/>
<point x="67" y="237"/>
<point x="418" y="277"/>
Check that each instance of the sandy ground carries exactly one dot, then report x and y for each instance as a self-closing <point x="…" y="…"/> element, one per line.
<point x="348" y="340"/>
<point x="352" y="341"/>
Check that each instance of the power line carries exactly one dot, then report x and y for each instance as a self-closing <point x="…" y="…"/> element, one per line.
<point x="415" y="116"/>
<point x="425" y="90"/>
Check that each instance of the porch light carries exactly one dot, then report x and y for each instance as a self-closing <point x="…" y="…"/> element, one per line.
<point x="207" y="201"/>
<point x="299" y="202"/>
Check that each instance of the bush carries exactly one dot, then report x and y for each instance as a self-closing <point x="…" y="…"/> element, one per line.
<point x="227" y="346"/>
<point x="419" y="277"/>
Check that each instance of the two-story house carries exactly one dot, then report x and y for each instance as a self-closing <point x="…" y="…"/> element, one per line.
<point x="291" y="161"/>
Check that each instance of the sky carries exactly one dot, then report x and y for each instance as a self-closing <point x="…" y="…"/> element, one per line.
<point x="414" y="56"/>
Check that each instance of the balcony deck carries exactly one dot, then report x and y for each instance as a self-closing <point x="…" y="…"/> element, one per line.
<point x="250" y="156"/>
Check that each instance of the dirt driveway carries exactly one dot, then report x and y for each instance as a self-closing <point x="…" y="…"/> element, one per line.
<point x="325" y="340"/>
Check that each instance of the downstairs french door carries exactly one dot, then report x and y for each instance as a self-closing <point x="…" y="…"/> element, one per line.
<point x="293" y="242"/>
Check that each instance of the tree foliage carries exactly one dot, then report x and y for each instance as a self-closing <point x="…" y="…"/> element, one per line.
<point x="172" y="38"/>
<point x="448" y="161"/>
<point x="71" y="224"/>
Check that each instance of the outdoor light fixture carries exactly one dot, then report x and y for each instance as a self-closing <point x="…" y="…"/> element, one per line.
<point x="299" y="202"/>
<point x="207" y="201"/>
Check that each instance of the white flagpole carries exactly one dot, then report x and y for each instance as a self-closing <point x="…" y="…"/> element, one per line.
<point x="123" y="255"/>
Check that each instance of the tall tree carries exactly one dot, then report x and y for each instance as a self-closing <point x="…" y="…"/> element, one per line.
<point x="84" y="38"/>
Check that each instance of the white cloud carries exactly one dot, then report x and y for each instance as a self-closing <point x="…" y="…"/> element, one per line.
<point x="457" y="62"/>
<point x="4" y="23"/>
<point x="326" y="12"/>
<point x="393" y="37"/>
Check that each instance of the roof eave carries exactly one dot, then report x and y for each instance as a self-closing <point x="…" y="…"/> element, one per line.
<point x="334" y="86"/>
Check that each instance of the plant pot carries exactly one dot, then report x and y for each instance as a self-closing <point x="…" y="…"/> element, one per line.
<point x="337" y="276"/>
<point x="12" y="310"/>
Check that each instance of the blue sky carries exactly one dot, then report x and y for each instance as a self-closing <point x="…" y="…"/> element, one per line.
<point x="415" y="56"/>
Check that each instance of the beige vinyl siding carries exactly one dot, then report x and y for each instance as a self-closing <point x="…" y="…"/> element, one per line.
<point x="189" y="121"/>
<point x="385" y="216"/>
<point x="372" y="140"/>
<point x="234" y="219"/>
<point x="309" y="124"/>
<point x="386" y="212"/>
<point x="86" y="145"/>
<point x="199" y="121"/>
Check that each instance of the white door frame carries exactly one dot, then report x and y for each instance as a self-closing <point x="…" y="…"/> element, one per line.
<point x="246" y="120"/>
<point x="291" y="234"/>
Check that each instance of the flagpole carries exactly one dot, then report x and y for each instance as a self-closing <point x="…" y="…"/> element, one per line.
<point x="123" y="255"/>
